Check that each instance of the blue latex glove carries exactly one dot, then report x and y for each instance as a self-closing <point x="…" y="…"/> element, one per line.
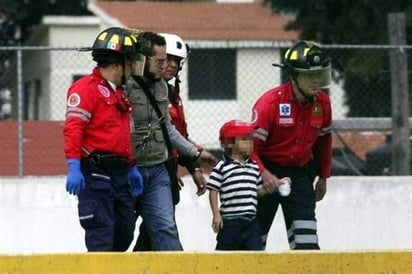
<point x="75" y="179"/>
<point x="136" y="180"/>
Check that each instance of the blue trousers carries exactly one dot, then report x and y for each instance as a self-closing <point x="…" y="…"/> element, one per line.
<point x="156" y="208"/>
<point x="105" y="209"/>
<point x="239" y="234"/>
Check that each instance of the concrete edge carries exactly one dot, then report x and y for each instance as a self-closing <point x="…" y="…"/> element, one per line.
<point x="384" y="261"/>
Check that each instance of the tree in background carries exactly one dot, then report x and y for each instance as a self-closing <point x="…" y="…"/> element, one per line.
<point x="365" y="72"/>
<point x="18" y="19"/>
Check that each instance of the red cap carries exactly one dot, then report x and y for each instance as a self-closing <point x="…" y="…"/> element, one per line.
<point x="235" y="128"/>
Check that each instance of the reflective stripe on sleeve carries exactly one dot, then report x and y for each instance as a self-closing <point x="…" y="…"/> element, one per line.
<point x="79" y="113"/>
<point x="325" y="130"/>
<point x="261" y="134"/>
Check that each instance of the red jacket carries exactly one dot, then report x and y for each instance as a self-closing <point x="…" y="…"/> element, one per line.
<point x="177" y="116"/>
<point x="289" y="134"/>
<point x="97" y="119"/>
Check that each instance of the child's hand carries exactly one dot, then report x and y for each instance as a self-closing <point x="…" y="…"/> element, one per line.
<point x="217" y="223"/>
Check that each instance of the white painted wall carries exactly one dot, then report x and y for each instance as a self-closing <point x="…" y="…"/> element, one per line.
<point x="255" y="75"/>
<point x="38" y="216"/>
<point x="56" y="69"/>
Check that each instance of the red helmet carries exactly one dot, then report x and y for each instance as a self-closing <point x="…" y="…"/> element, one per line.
<point x="233" y="129"/>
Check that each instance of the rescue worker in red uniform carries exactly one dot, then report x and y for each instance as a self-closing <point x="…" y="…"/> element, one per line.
<point x="293" y="139"/>
<point x="97" y="144"/>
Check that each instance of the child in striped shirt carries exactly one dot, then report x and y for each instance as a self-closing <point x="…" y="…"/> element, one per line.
<point x="236" y="182"/>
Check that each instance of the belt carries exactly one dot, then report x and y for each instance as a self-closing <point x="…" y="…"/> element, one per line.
<point x="107" y="161"/>
<point x="246" y="217"/>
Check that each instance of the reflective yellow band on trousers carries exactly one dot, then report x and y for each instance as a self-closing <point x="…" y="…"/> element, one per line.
<point x="384" y="261"/>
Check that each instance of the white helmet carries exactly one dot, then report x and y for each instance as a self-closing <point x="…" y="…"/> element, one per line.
<point x="175" y="45"/>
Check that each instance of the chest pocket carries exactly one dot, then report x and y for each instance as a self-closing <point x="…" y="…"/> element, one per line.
<point x="107" y="106"/>
<point x="137" y="98"/>
<point x="143" y="114"/>
<point x="147" y="138"/>
<point x="314" y="128"/>
<point x="285" y="127"/>
<point x="162" y="101"/>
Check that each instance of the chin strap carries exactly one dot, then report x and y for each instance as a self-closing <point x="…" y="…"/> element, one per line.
<point x="308" y="98"/>
<point x="124" y="68"/>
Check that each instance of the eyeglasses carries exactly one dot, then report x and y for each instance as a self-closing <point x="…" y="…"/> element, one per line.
<point x="159" y="62"/>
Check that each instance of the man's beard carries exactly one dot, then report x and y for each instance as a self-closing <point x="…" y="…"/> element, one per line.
<point x="153" y="77"/>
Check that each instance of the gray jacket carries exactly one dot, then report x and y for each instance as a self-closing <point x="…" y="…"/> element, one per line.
<point x="149" y="147"/>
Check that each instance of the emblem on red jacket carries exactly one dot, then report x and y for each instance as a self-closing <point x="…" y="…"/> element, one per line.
<point x="74" y="100"/>
<point x="104" y="91"/>
<point x="317" y="110"/>
<point x="285" y="109"/>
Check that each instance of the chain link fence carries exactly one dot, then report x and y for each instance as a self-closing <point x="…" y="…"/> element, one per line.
<point x="219" y="82"/>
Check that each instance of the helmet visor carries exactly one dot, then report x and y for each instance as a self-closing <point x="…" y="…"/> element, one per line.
<point x="139" y="65"/>
<point x="319" y="77"/>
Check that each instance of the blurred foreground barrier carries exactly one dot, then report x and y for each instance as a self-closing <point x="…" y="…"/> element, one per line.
<point x="385" y="262"/>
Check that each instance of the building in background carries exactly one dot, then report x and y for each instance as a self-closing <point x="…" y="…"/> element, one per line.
<point x="232" y="48"/>
<point x="48" y="73"/>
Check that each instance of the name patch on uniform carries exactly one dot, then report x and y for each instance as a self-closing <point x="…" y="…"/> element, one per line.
<point x="104" y="91"/>
<point x="286" y="121"/>
<point x="285" y="109"/>
<point x="163" y="96"/>
<point x="73" y="100"/>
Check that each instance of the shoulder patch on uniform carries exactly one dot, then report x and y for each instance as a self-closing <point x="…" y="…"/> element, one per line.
<point x="104" y="90"/>
<point x="73" y="100"/>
